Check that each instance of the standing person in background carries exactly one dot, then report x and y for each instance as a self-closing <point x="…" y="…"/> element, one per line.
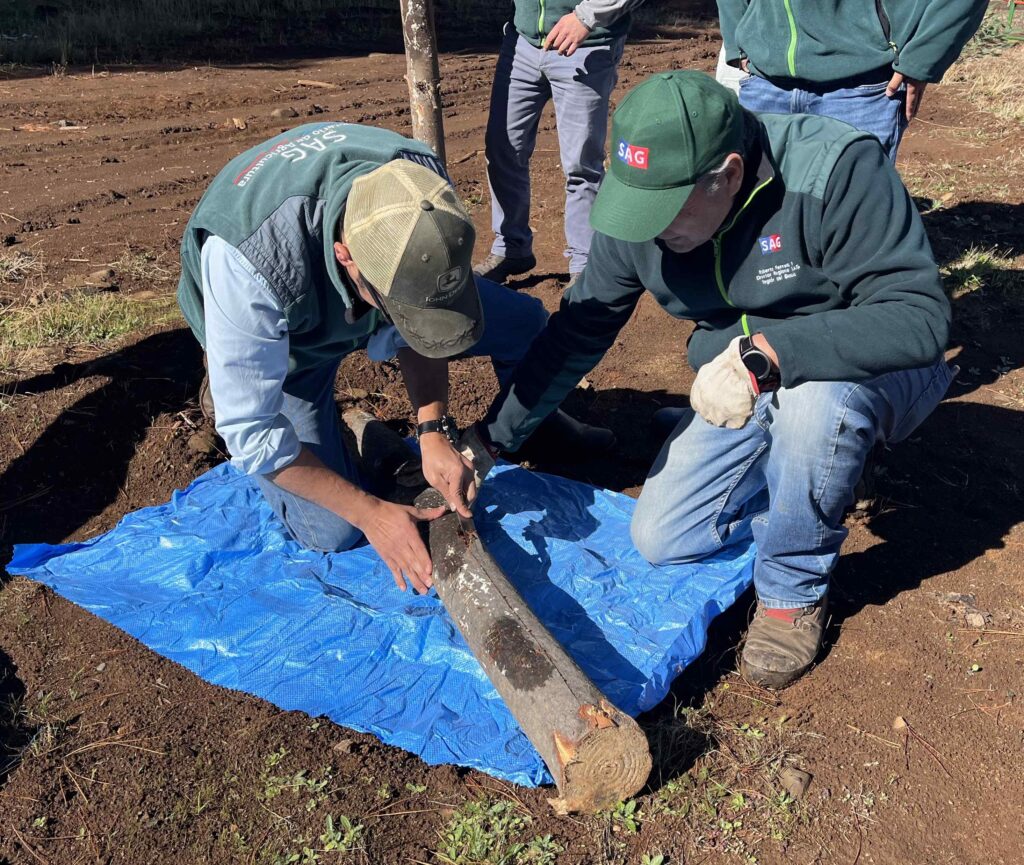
<point x="864" y="62"/>
<point x="569" y="52"/>
<point x="729" y="76"/>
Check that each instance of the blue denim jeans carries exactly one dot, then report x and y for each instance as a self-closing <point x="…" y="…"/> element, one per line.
<point x="511" y="321"/>
<point x="865" y="107"/>
<point x="784" y="480"/>
<point x="524" y="80"/>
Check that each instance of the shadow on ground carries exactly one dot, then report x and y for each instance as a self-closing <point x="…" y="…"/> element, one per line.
<point x="14" y="729"/>
<point x="77" y="467"/>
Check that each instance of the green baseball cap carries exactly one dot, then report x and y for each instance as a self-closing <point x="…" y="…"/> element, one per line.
<point x="667" y="133"/>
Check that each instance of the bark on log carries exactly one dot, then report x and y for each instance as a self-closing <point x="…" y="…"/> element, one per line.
<point x="597" y="754"/>
<point x="422" y="74"/>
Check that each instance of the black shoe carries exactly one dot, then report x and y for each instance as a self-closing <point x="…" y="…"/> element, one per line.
<point x="498" y="268"/>
<point x="561" y="438"/>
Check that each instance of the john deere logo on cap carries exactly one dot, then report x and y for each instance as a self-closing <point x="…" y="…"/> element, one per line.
<point x="635" y="157"/>
<point x="448" y="283"/>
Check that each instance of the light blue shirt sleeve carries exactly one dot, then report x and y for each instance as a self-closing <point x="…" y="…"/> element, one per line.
<point x="384" y="343"/>
<point x="247" y="360"/>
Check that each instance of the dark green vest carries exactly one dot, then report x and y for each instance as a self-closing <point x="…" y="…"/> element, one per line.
<point x="279" y="204"/>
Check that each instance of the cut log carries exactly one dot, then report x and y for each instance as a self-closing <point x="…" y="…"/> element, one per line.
<point x="386" y="462"/>
<point x="596" y="753"/>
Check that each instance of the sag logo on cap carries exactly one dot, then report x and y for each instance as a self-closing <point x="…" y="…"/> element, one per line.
<point x="636" y="157"/>
<point x="771" y="243"/>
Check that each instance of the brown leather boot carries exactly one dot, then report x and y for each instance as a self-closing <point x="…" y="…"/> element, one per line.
<point x="782" y="644"/>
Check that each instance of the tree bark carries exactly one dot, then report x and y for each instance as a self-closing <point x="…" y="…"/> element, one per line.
<point x="597" y="754"/>
<point x="422" y="74"/>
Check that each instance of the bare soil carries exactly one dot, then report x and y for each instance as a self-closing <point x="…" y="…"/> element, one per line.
<point x="122" y="756"/>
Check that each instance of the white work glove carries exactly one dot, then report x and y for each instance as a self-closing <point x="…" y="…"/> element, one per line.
<point x="722" y="393"/>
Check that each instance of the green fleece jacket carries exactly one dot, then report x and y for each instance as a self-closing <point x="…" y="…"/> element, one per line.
<point x="824" y="253"/>
<point x="828" y="42"/>
<point x="607" y="20"/>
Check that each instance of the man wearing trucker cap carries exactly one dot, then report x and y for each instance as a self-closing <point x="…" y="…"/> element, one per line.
<point x="820" y="329"/>
<point x="326" y="239"/>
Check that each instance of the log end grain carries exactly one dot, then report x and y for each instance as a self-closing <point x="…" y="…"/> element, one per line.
<point x="609" y="764"/>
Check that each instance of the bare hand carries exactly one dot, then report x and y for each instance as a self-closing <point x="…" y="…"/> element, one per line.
<point x="745" y="65"/>
<point x="915" y="91"/>
<point x="448" y="472"/>
<point x="391" y="531"/>
<point x="567" y="35"/>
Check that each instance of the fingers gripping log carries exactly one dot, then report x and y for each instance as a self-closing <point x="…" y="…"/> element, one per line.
<point x="596" y="753"/>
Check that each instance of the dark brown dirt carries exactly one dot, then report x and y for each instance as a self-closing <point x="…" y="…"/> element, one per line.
<point x="134" y="760"/>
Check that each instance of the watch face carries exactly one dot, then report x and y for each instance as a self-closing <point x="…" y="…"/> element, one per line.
<point x="758" y="363"/>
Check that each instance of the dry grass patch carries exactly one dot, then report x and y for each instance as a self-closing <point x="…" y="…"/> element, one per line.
<point x="978" y="269"/>
<point x="989" y="69"/>
<point x="142" y="265"/>
<point x="79" y="318"/>
<point x="18" y="265"/>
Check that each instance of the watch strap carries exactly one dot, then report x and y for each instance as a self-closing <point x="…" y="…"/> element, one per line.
<point x="769" y="381"/>
<point x="445" y="425"/>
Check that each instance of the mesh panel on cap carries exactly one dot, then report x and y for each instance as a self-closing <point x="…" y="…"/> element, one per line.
<point x="382" y="211"/>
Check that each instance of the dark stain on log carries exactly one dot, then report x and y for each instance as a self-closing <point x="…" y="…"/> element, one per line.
<point x="517" y="657"/>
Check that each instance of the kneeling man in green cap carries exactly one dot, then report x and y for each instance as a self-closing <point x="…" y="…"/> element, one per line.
<point x="820" y="330"/>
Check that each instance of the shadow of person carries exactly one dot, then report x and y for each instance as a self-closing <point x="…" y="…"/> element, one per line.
<point x="534" y="278"/>
<point x="77" y="466"/>
<point x="627" y="412"/>
<point x="951" y="493"/>
<point x="987" y="323"/>
<point x="14" y="731"/>
<point x="982" y="224"/>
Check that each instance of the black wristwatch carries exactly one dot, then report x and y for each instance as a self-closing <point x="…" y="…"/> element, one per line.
<point x="764" y="374"/>
<point x="446" y="426"/>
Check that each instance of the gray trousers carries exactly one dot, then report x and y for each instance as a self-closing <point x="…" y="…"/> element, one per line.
<point x="525" y="78"/>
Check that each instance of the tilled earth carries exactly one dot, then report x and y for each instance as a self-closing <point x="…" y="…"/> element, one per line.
<point x="125" y="757"/>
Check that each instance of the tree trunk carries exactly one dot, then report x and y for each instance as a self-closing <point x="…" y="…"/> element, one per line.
<point x="422" y="74"/>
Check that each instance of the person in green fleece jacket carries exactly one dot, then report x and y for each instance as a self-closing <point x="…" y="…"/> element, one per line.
<point x="820" y="330"/>
<point x="865" y="62"/>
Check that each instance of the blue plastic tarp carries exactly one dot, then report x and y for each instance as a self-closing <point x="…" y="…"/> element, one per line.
<point x="211" y="581"/>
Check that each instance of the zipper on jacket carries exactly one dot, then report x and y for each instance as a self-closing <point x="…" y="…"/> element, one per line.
<point x="540" y="20"/>
<point x="716" y="242"/>
<point x="791" y="53"/>
<point x="883" y="20"/>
